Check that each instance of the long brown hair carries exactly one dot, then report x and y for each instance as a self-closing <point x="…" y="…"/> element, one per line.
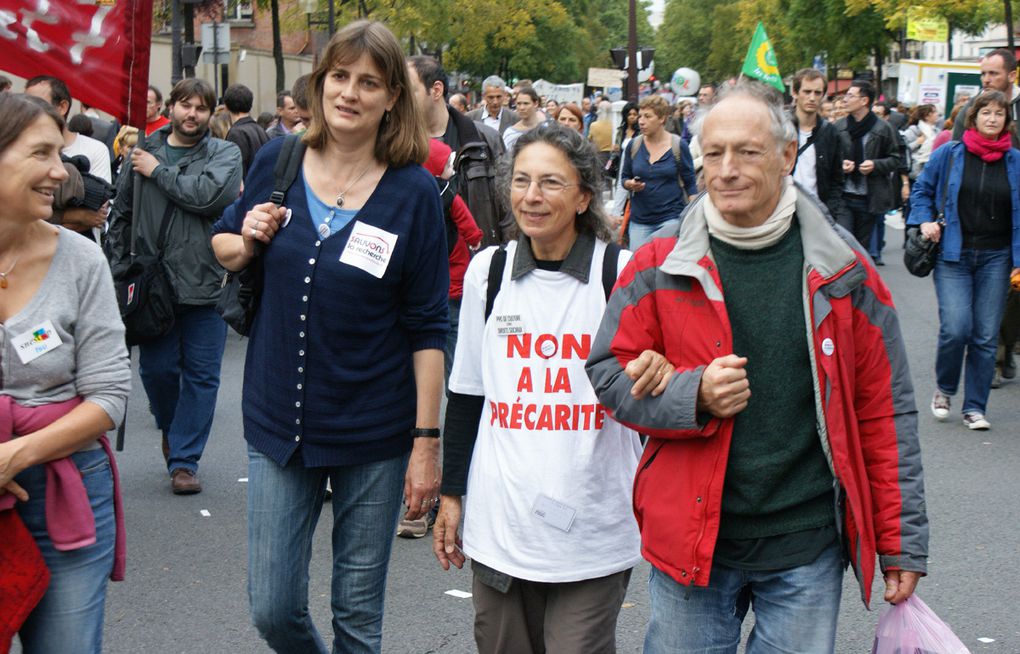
<point x="402" y="137"/>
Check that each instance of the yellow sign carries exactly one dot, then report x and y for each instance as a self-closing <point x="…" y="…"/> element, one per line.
<point x="924" y="27"/>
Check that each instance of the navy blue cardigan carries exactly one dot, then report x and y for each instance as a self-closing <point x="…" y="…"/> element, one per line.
<point x="329" y="364"/>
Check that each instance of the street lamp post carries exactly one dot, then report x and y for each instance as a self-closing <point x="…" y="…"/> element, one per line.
<point x="311" y="6"/>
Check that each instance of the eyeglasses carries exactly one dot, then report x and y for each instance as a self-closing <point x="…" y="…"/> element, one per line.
<point x="852" y="96"/>
<point x="547" y="185"/>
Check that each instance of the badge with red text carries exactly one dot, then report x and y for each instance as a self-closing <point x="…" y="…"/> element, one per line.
<point x="369" y="248"/>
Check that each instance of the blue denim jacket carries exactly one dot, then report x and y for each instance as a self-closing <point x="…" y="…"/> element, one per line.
<point x="926" y="197"/>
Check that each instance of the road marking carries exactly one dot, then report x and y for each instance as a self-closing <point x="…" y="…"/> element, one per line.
<point x="242" y="480"/>
<point x="987" y="640"/>
<point x="459" y="594"/>
<point x="205" y="513"/>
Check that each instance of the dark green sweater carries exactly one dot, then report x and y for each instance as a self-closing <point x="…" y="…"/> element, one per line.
<point x="777" y="478"/>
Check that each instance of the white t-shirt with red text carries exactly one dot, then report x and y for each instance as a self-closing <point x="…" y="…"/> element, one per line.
<point x="549" y="488"/>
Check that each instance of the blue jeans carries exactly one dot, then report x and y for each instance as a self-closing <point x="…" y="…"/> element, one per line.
<point x="972" y="297"/>
<point x="795" y="610"/>
<point x="451" y="337"/>
<point x="638" y="233"/>
<point x="284" y="504"/>
<point x="181" y="375"/>
<point x="69" y="618"/>
<point x="877" y="243"/>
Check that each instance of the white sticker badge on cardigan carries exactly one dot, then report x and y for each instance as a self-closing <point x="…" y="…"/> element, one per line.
<point x="369" y="248"/>
<point x="828" y="347"/>
<point x="36" y="342"/>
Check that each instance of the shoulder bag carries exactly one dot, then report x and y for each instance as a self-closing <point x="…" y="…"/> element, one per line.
<point x="241" y="291"/>
<point x="920" y="254"/>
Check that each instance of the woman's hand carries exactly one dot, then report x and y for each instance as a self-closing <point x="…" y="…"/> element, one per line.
<point x="9" y="468"/>
<point x="650" y="372"/>
<point x="446" y="543"/>
<point x="931" y="231"/>
<point x="635" y="185"/>
<point x="421" y="483"/>
<point x="905" y="191"/>
<point x="261" y="224"/>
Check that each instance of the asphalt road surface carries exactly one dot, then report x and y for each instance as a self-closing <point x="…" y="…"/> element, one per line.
<point x="185" y="588"/>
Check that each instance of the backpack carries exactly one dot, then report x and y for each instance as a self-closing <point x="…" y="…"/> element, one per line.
<point x="635" y="145"/>
<point x="610" y="265"/>
<point x="242" y="290"/>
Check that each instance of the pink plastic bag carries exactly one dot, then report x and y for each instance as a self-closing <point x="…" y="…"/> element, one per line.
<point x="910" y="627"/>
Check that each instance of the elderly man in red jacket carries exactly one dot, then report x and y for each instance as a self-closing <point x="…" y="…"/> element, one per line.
<point x="761" y="352"/>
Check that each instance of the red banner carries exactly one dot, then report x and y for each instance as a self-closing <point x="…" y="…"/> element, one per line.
<point x="100" y="48"/>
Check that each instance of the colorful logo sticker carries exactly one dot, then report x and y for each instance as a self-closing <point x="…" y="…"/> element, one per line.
<point x="40" y="335"/>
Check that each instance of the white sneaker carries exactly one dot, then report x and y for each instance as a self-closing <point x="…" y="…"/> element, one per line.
<point x="940" y="405"/>
<point x="976" y="421"/>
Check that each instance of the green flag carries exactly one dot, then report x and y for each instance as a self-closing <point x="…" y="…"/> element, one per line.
<point x="760" y="62"/>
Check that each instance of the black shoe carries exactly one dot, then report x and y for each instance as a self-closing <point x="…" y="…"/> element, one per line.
<point x="1008" y="366"/>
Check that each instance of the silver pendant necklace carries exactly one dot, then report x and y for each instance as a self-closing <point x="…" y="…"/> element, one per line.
<point x="324" y="228"/>
<point x="340" y="198"/>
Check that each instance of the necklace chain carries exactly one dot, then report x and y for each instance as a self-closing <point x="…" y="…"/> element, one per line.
<point x="3" y="275"/>
<point x="340" y="197"/>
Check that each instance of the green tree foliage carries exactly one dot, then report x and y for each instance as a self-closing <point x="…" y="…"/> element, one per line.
<point x="711" y="36"/>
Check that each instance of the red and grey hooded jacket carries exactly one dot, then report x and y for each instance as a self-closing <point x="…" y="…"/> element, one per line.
<point x="669" y="299"/>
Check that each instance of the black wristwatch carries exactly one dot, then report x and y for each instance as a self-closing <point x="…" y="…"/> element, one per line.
<point x="419" y="432"/>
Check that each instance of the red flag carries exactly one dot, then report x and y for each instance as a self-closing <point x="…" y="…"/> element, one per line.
<point x="100" y="48"/>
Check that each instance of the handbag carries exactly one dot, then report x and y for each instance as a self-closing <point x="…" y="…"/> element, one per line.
<point x="145" y="295"/>
<point x="919" y="253"/>
<point x="241" y="291"/>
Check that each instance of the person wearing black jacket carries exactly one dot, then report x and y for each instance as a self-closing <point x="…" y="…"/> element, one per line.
<point x="872" y="153"/>
<point x="244" y="132"/>
<point x="820" y="152"/>
<point x="478" y="149"/>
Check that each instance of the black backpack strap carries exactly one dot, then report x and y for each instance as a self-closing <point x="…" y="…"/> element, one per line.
<point x="287" y="166"/>
<point x="610" y="266"/>
<point x="496" y="266"/>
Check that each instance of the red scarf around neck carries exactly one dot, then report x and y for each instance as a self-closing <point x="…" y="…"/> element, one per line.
<point x="988" y="149"/>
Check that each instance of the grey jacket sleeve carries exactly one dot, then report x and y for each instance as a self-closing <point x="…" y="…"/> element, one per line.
<point x="103" y="370"/>
<point x="210" y="191"/>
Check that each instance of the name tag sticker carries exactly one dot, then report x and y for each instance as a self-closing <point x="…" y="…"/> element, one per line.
<point x="553" y="513"/>
<point x="36" y="342"/>
<point x="369" y="248"/>
<point x="507" y="324"/>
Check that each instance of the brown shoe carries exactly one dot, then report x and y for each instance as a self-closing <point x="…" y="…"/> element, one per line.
<point x="166" y="449"/>
<point x="184" y="482"/>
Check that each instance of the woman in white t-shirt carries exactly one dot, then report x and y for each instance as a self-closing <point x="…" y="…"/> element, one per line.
<point x="541" y="473"/>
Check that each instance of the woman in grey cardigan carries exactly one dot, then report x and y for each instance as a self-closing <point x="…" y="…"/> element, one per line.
<point x="64" y="381"/>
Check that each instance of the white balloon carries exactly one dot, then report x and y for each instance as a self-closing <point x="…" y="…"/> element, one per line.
<point x="685" y="82"/>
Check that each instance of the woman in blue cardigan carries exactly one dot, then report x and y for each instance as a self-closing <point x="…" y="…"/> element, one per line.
<point x="980" y="247"/>
<point x="344" y="369"/>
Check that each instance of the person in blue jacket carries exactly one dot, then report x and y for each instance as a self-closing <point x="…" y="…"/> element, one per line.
<point x="980" y="247"/>
<point x="344" y="369"/>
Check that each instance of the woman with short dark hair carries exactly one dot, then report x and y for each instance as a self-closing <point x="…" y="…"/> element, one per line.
<point x="540" y="473"/>
<point x="979" y="247"/>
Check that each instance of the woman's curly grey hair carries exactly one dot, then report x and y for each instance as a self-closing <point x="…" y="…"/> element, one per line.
<point x="582" y="156"/>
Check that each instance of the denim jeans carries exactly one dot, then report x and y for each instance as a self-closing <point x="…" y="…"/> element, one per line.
<point x="795" y="610"/>
<point x="972" y="297"/>
<point x="284" y="504"/>
<point x="863" y="225"/>
<point x="451" y="337"/>
<point x="69" y="618"/>
<point x="877" y="243"/>
<point x="181" y="375"/>
<point x="638" y="233"/>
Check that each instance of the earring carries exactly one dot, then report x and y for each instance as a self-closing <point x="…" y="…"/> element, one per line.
<point x="386" y="116"/>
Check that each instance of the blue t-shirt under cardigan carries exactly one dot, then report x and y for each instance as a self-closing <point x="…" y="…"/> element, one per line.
<point x="329" y="364"/>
